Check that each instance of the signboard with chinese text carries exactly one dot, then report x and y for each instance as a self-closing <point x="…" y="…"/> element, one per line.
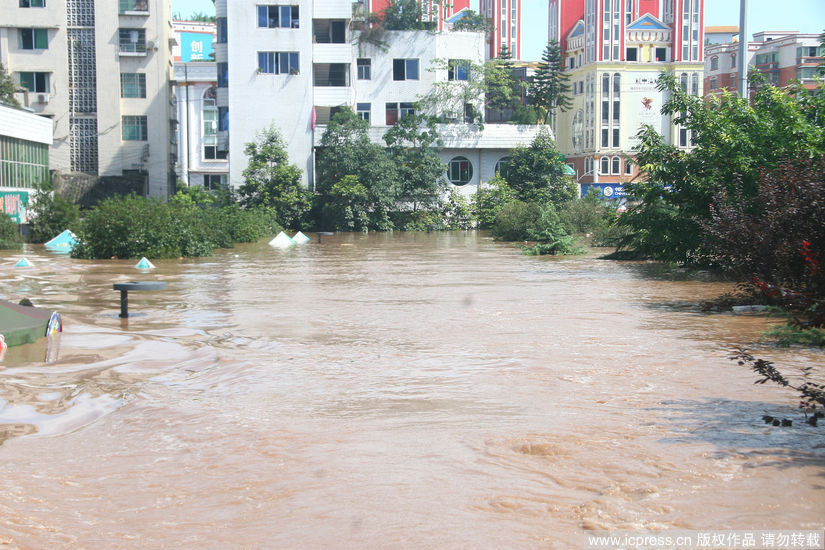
<point x="195" y="46"/>
<point x="15" y="204"/>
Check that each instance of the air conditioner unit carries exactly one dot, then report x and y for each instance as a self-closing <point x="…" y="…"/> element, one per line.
<point x="42" y="98"/>
<point x="152" y="45"/>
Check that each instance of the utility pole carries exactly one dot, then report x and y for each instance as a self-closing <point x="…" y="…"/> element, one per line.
<point x="743" y="49"/>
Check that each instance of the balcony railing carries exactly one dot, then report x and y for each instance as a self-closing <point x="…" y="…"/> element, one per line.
<point x="129" y="6"/>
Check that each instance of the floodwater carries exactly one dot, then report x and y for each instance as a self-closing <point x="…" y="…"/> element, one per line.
<point x="391" y="391"/>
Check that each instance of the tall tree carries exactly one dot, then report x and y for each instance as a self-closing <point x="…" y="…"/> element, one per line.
<point x="403" y="15"/>
<point x="473" y="22"/>
<point x="536" y="173"/>
<point x="550" y="88"/>
<point x="413" y="146"/>
<point x="7" y="88"/>
<point x="503" y="90"/>
<point x="271" y="181"/>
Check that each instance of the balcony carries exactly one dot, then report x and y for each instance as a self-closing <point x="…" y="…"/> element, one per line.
<point x="330" y="75"/>
<point x="133" y="7"/>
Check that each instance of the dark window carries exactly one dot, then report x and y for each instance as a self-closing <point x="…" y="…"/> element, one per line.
<point x="364" y="69"/>
<point x="363" y="110"/>
<point x="35" y="82"/>
<point x="407" y="109"/>
<point x="220" y="23"/>
<point x="661" y="54"/>
<point x="285" y="17"/>
<point x="133" y="85"/>
<point x="223" y="119"/>
<point x="458" y="69"/>
<point x="278" y="62"/>
<point x="125" y="6"/>
<point x="405" y="69"/>
<point x="214" y="181"/>
<point x="632" y="54"/>
<point x="34" y="39"/>
<point x="132" y="40"/>
<point x="392" y="114"/>
<point x="223" y="75"/>
<point x="135" y="128"/>
<point x="32" y="3"/>
<point x="460" y="171"/>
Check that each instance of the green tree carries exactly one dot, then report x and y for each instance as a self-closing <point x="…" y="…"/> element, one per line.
<point x="346" y="150"/>
<point x="7" y="88"/>
<point x="413" y="147"/>
<point x="403" y="15"/>
<point x="51" y="214"/>
<point x="270" y="180"/>
<point x="459" y="98"/>
<point x="490" y="199"/>
<point x="503" y="90"/>
<point x="10" y="238"/>
<point x="550" y="87"/>
<point x="473" y="22"/>
<point x="536" y="172"/>
<point x="347" y="206"/>
<point x="734" y="140"/>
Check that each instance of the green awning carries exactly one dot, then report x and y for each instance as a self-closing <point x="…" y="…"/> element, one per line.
<point x="22" y="324"/>
<point x="569" y="171"/>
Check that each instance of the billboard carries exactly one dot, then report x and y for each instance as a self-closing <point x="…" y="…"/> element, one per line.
<point x="196" y="46"/>
<point x="608" y="190"/>
<point x="14" y="204"/>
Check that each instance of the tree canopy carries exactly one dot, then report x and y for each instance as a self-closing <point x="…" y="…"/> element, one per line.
<point x="536" y="172"/>
<point x="550" y="86"/>
<point x="7" y="88"/>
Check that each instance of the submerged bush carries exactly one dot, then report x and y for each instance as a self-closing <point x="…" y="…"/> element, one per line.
<point x="50" y="215"/>
<point x="9" y="234"/>
<point x="131" y="227"/>
<point x="522" y="221"/>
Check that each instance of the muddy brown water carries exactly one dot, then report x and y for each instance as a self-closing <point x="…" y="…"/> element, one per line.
<point x="391" y="391"/>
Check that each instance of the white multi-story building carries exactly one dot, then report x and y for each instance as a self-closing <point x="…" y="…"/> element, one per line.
<point x="200" y="161"/>
<point x="292" y="66"/>
<point x="100" y="71"/>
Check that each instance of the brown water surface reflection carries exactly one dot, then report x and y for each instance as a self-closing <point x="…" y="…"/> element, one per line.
<point x="393" y="390"/>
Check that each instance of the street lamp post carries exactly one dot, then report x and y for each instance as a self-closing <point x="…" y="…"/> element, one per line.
<point x="743" y="49"/>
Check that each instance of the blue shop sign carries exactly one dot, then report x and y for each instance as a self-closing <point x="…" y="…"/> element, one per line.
<point x="608" y="190"/>
<point x="195" y="46"/>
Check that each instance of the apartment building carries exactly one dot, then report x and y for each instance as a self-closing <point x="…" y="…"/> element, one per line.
<point x="614" y="51"/>
<point x="505" y="16"/>
<point x="293" y="66"/>
<point x="782" y="56"/>
<point x="100" y="71"/>
<point x="200" y="161"/>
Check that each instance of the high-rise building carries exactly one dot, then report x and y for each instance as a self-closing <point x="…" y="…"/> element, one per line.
<point x="614" y="52"/>
<point x="293" y="66"/>
<point x="505" y="16"/>
<point x="66" y="56"/>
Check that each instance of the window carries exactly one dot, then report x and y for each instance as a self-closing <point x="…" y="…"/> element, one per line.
<point x="714" y="63"/>
<point x="405" y="69"/>
<point x="363" y="110"/>
<point x="632" y="54"/>
<point x="503" y="167"/>
<point x="34" y="39"/>
<point x="458" y="69"/>
<point x="628" y="167"/>
<point x="214" y="181"/>
<point x="807" y="73"/>
<point x="35" y="82"/>
<point x="220" y="24"/>
<point x="133" y="5"/>
<point x="459" y="171"/>
<point x="733" y="61"/>
<point x="32" y="3"/>
<point x="135" y="128"/>
<point x="394" y="113"/>
<point x="132" y="40"/>
<point x="364" y="68"/>
<point x="285" y="17"/>
<point x="209" y="129"/>
<point x="714" y="83"/>
<point x="605" y="165"/>
<point x="616" y="165"/>
<point x="223" y="75"/>
<point x="661" y="54"/>
<point x="132" y="85"/>
<point x="278" y="62"/>
<point x="223" y="119"/>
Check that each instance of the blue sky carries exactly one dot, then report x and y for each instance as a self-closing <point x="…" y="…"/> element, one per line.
<point x="794" y="15"/>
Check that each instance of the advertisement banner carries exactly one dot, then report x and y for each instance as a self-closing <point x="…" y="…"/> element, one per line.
<point x="195" y="46"/>
<point x="608" y="190"/>
<point x="14" y="204"/>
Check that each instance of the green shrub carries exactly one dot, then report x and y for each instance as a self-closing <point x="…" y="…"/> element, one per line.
<point x="515" y="220"/>
<point x="50" y="215"/>
<point x="418" y="220"/>
<point x="595" y="216"/>
<point x="456" y="211"/>
<point x="9" y="234"/>
<point x="131" y="227"/>
<point x="521" y="221"/>
<point x="489" y="200"/>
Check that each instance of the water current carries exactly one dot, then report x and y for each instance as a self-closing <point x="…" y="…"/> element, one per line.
<point x="391" y="391"/>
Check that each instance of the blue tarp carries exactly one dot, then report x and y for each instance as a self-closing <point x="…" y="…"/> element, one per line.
<point x="63" y="242"/>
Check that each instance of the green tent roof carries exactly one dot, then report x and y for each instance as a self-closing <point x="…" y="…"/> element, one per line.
<point x="22" y="324"/>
